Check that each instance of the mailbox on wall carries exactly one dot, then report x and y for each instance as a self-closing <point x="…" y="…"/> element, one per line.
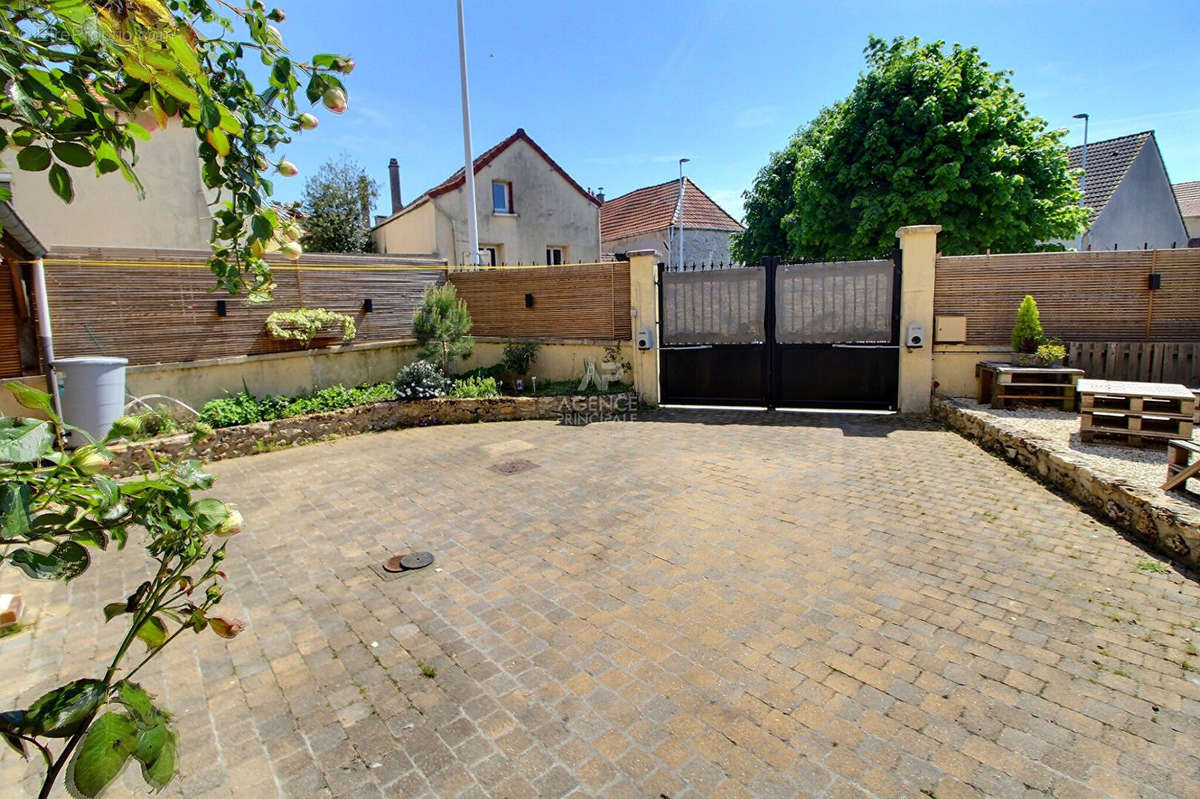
<point x="950" y="329"/>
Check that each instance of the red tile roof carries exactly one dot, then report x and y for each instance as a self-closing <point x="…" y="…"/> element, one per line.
<point x="654" y="208"/>
<point x="1188" y="195"/>
<point x="459" y="178"/>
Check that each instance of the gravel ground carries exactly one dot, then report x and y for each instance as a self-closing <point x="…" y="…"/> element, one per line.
<point x="1146" y="467"/>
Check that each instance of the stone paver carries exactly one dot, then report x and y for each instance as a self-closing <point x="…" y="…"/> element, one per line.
<point x="696" y="604"/>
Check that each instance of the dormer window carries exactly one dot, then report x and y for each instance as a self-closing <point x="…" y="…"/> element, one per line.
<point x="502" y="197"/>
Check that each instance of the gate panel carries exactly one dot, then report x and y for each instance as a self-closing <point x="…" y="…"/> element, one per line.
<point x="713" y="336"/>
<point x="822" y="335"/>
<point x="837" y="335"/>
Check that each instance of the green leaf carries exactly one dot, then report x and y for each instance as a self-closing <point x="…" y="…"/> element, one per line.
<point x="30" y="397"/>
<point x="324" y="60"/>
<point x="150" y="743"/>
<point x="91" y="538"/>
<point x="177" y="89"/>
<point x="153" y="632"/>
<point x="33" y="159"/>
<point x="160" y="771"/>
<point x="137" y="131"/>
<point x="135" y="698"/>
<point x="209" y="513"/>
<point x="107" y="159"/>
<point x="104" y="752"/>
<point x="15" y="499"/>
<point x="16" y="743"/>
<point x="60" y="182"/>
<point x="184" y="55"/>
<point x="63" y="711"/>
<point x="24" y="440"/>
<point x="110" y="493"/>
<point x="65" y="562"/>
<point x="72" y="154"/>
<point x="114" y="609"/>
<point x="191" y="475"/>
<point x="261" y="227"/>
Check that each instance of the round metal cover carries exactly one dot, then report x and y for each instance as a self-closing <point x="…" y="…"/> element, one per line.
<point x="416" y="560"/>
<point x="394" y="564"/>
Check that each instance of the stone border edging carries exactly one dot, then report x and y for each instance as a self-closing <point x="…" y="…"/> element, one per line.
<point x="1170" y="528"/>
<point x="251" y="439"/>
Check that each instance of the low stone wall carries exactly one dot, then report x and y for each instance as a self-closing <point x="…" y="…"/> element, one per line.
<point x="232" y="442"/>
<point x="1171" y="527"/>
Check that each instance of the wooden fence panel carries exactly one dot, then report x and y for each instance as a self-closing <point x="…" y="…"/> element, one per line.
<point x="155" y="306"/>
<point x="1085" y="296"/>
<point x="574" y="302"/>
<point x="1158" y="362"/>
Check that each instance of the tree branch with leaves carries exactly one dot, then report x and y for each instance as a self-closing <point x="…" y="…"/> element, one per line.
<point x="84" y="82"/>
<point x="56" y="507"/>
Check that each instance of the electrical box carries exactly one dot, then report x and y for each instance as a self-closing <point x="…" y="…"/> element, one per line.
<point x="645" y="339"/>
<point x="950" y="329"/>
<point x="914" y="336"/>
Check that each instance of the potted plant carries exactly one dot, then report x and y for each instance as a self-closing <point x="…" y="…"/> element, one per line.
<point x="303" y="325"/>
<point x="1051" y="352"/>
<point x="1027" y="333"/>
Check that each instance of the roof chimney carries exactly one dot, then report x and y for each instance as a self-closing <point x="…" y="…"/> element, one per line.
<point x="600" y="194"/>
<point x="394" y="179"/>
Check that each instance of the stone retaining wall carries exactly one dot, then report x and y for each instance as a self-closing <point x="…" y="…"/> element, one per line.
<point x="1171" y="527"/>
<point x="232" y="442"/>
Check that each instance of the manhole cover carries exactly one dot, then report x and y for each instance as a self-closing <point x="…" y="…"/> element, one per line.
<point x="416" y="560"/>
<point x="412" y="560"/>
<point x="513" y="467"/>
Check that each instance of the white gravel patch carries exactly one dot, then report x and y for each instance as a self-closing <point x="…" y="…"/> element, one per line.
<point x="1145" y="467"/>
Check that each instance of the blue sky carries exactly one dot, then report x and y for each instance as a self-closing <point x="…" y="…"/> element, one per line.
<point x="617" y="91"/>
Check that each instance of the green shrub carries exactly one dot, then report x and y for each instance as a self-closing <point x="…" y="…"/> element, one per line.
<point x="1050" y="351"/>
<point x="421" y="380"/>
<point x="442" y="324"/>
<point x="157" y="422"/>
<point x="519" y="356"/>
<point x="495" y="371"/>
<point x="475" y="388"/>
<point x="245" y="408"/>
<point x="1027" y="332"/>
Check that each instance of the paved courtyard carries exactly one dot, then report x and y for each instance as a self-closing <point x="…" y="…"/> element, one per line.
<point x="695" y="604"/>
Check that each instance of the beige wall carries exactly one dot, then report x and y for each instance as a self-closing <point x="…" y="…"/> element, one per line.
<point x="107" y="212"/>
<point x="414" y="233"/>
<point x="954" y="367"/>
<point x="556" y="359"/>
<point x="919" y="243"/>
<point x="643" y="301"/>
<point x="290" y="373"/>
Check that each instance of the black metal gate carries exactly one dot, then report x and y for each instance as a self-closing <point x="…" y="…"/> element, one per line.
<point x="819" y="335"/>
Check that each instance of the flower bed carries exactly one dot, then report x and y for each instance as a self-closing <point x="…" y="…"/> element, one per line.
<point x="249" y="439"/>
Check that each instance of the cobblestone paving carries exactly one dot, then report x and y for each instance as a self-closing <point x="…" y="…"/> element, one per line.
<point x="712" y="604"/>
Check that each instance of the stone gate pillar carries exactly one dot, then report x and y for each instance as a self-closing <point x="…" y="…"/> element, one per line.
<point x="919" y="245"/>
<point x="643" y="302"/>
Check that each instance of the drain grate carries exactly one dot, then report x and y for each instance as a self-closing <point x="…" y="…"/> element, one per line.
<point x="513" y="467"/>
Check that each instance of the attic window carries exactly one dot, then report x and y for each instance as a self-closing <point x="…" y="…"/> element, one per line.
<point x="502" y="197"/>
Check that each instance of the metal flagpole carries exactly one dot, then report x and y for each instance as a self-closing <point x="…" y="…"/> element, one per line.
<point x="469" y="166"/>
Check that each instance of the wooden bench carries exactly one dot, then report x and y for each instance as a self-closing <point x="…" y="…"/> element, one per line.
<point x="1179" y="471"/>
<point x="1002" y="383"/>
<point x="1135" y="413"/>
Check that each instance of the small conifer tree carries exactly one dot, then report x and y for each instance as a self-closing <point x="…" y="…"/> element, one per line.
<point x="1027" y="332"/>
<point x="441" y="324"/>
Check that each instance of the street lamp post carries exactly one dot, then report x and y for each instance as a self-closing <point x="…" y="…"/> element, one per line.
<point x="1083" y="164"/>
<point x="469" y="166"/>
<point x="682" y="161"/>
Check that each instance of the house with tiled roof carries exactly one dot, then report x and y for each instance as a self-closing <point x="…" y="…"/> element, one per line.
<point x="649" y="218"/>
<point x="529" y="211"/>
<point x="1188" y="197"/>
<point x="1127" y="188"/>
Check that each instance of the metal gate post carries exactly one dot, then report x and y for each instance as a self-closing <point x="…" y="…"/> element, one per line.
<point x="770" y="361"/>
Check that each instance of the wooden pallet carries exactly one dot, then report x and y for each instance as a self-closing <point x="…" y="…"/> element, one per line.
<point x="1179" y="470"/>
<point x="1170" y="426"/>
<point x="1141" y="440"/>
<point x="1002" y="384"/>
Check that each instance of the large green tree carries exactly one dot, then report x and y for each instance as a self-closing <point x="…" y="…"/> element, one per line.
<point x="85" y="81"/>
<point x="337" y="207"/>
<point x="928" y="135"/>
